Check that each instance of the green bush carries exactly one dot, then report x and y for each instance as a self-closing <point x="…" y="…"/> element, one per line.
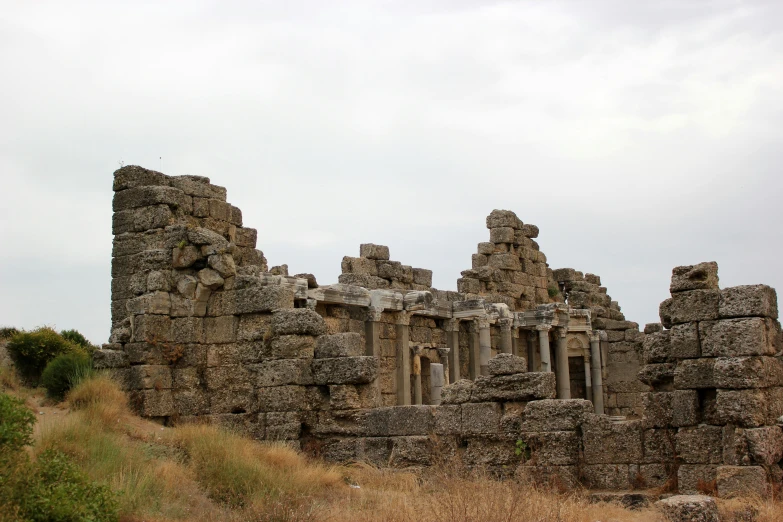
<point x="16" y="424"/>
<point x="64" y="372"/>
<point x="7" y="332"/>
<point x="76" y="337"/>
<point x="32" y="351"/>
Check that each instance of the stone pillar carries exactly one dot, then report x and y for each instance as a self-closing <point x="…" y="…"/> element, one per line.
<point x="403" y="360"/>
<point x="417" y="351"/>
<point x="505" y="336"/>
<point x="595" y="370"/>
<point x="543" y="346"/>
<point x="444" y="361"/>
<point x="485" y="345"/>
<point x="372" y="333"/>
<point x="588" y="379"/>
<point x="563" y="373"/>
<point x="533" y="360"/>
<point x="515" y="341"/>
<point x="437" y="381"/>
<point x="473" y="351"/>
<point x="452" y="340"/>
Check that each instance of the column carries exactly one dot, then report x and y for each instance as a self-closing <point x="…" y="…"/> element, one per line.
<point x="595" y="369"/>
<point x="403" y="360"/>
<point x="473" y="351"/>
<point x="533" y="360"/>
<point x="588" y="379"/>
<point x="444" y="361"/>
<point x="372" y="332"/>
<point x="417" y="351"/>
<point x="437" y="380"/>
<point x="452" y="340"/>
<point x="505" y="335"/>
<point x="485" y="345"/>
<point x="563" y="373"/>
<point x="543" y="347"/>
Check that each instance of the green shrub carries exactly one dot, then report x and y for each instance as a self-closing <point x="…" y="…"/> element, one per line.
<point x="7" y="332"/>
<point x="32" y="351"/>
<point x="16" y="424"/>
<point x="55" y="490"/>
<point x="552" y="291"/>
<point x="64" y="372"/>
<point x="76" y="337"/>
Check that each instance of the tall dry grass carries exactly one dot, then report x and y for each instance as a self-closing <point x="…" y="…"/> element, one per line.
<point x="202" y="473"/>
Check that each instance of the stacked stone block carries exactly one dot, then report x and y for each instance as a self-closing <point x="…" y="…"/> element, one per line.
<point x="373" y="270"/>
<point x="509" y="268"/>
<point x="717" y="381"/>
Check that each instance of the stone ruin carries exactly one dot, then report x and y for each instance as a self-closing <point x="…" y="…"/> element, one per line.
<point x="527" y="371"/>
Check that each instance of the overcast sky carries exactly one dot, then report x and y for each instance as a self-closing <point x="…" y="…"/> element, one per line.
<point x="637" y="135"/>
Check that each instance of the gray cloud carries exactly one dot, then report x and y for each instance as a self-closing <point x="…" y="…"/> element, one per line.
<point x="637" y="135"/>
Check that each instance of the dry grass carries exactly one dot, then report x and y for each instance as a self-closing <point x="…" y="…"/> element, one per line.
<point x="201" y="473"/>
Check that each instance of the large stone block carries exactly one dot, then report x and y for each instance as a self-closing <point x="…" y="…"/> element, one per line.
<point x="555" y="415"/>
<point x="283" y="398"/>
<point x="695" y="374"/>
<point x="506" y="364"/>
<point x="132" y="176"/>
<point x="501" y="235"/>
<point x="289" y="347"/>
<point x="518" y="387"/>
<point x="399" y="420"/>
<point x="701" y="444"/>
<point x="422" y="276"/>
<point x="749" y="301"/>
<point x="371" y="251"/>
<point x="151" y="195"/>
<point x="685" y="341"/>
<point x="738" y="337"/>
<point x="657" y="375"/>
<point x="411" y="451"/>
<point x="689" y="508"/>
<point x="489" y="452"/>
<point x="457" y="393"/>
<point x="607" y="442"/>
<point x="153" y="403"/>
<point x="105" y="358"/>
<point x="345" y="370"/>
<point x="659" y="445"/>
<point x="703" y="276"/>
<point x="299" y="321"/>
<point x="481" y="418"/>
<point x="746" y="408"/>
<point x="607" y="476"/>
<point x="741" y="481"/>
<point x="448" y="420"/>
<point x="554" y="448"/>
<point x="260" y="299"/>
<point x="656" y="347"/>
<point x="278" y="372"/>
<point x="696" y="478"/>
<point x="146" y="376"/>
<point x="503" y="218"/>
<point x="765" y="445"/>
<point x="339" y="345"/>
<point x="353" y="396"/>
<point x="692" y="305"/>
<point x="748" y="372"/>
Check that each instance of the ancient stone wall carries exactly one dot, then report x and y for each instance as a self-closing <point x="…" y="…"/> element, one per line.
<point x="202" y="331"/>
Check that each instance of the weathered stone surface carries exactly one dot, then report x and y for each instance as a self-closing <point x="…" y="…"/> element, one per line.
<point x="345" y="370"/>
<point x="501" y="235"/>
<point x="700" y="444"/>
<point x="448" y="420"/>
<point x="300" y="321"/>
<point x="746" y="408"/>
<point x="289" y="347"/>
<point x="607" y="476"/>
<point x="399" y="420"/>
<point x="506" y="364"/>
<point x="105" y="358"/>
<point x="749" y="301"/>
<point x="410" y="451"/>
<point x="151" y="195"/>
<point x="748" y="372"/>
<point x="765" y="445"/>
<point x="352" y="396"/>
<point x="283" y="398"/>
<point x="518" y="387"/>
<point x="257" y="299"/>
<point x="457" y="393"/>
<point x="651" y="328"/>
<point x="371" y="251"/>
<point x="278" y="372"/>
<point x="689" y="508"/>
<point x="153" y="403"/>
<point x="283" y="425"/>
<point x="339" y="345"/>
<point x="531" y="231"/>
<point x="696" y="478"/>
<point x="738" y="337"/>
<point x="738" y="481"/>
<point x="656" y="374"/>
<point x="554" y="448"/>
<point x="503" y="218"/>
<point x="489" y="452"/>
<point x="481" y="418"/>
<point x="657" y="347"/>
<point x="692" y="305"/>
<point x="131" y="176"/>
<point x="555" y="415"/>
<point x="703" y="276"/>
<point x="685" y="341"/>
<point x="606" y="442"/>
<point x="695" y="374"/>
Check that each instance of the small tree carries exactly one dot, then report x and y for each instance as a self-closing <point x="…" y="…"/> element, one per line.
<point x="32" y="351"/>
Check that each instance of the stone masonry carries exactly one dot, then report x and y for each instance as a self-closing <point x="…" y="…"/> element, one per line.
<point x="515" y="372"/>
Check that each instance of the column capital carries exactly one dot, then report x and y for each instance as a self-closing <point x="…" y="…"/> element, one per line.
<point x="451" y="325"/>
<point x="543" y="327"/>
<point x="562" y="331"/>
<point x="505" y="324"/>
<point x="443" y="351"/>
<point x="594" y="335"/>
<point x="403" y="318"/>
<point x="417" y="350"/>
<point x="374" y="314"/>
<point x="482" y="322"/>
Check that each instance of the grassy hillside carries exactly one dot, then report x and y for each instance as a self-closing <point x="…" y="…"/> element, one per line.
<point x="202" y="473"/>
